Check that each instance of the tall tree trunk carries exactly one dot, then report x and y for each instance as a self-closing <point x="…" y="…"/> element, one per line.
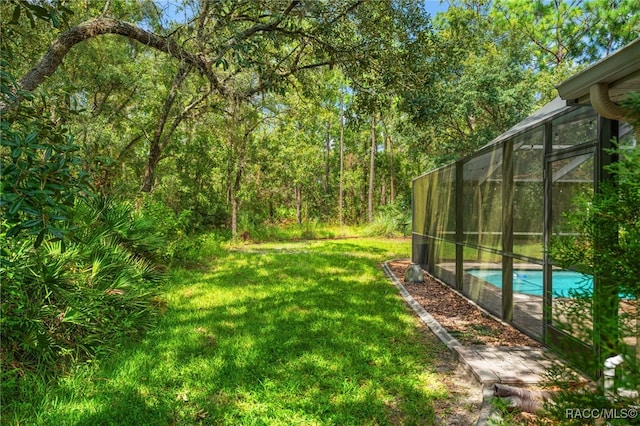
<point x="341" y="189"/>
<point x="388" y="145"/>
<point x="235" y="205"/>
<point x="230" y="162"/>
<point x="148" y="179"/>
<point x="159" y="140"/>
<point x="234" y="216"/>
<point x="239" y="128"/>
<point x="392" y="173"/>
<point x="326" y="164"/>
<point x="372" y="165"/>
<point x="383" y="189"/>
<point x="299" y="203"/>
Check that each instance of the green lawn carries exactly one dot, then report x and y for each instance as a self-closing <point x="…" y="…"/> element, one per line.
<point x="305" y="333"/>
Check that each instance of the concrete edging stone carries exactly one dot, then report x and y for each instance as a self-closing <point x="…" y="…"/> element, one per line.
<point x="451" y="342"/>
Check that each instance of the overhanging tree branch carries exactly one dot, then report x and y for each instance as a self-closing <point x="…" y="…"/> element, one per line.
<point x="101" y="26"/>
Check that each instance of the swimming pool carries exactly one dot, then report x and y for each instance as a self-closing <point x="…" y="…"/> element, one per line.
<point x="530" y="281"/>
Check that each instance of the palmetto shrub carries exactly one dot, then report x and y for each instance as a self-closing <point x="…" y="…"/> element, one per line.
<point x="76" y="272"/>
<point x="65" y="303"/>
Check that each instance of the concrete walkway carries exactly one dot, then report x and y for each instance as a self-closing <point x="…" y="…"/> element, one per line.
<point x="515" y="366"/>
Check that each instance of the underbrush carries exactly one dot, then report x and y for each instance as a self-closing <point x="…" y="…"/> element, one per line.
<point x="250" y="232"/>
<point x="71" y="299"/>
<point x="393" y="220"/>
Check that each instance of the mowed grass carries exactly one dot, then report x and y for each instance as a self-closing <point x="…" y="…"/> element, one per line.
<point x="303" y="333"/>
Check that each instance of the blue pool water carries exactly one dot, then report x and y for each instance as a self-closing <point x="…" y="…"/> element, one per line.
<point x="530" y="281"/>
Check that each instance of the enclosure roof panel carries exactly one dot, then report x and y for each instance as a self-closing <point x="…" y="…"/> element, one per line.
<point x="544" y="114"/>
<point x="620" y="70"/>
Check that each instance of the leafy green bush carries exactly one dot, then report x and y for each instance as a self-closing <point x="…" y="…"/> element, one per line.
<point x="61" y="306"/>
<point x="179" y="242"/>
<point x="391" y="221"/>
<point x="128" y="228"/>
<point x="75" y="268"/>
<point x="41" y="172"/>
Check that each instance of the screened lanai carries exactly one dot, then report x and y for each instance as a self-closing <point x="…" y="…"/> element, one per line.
<point x="481" y="224"/>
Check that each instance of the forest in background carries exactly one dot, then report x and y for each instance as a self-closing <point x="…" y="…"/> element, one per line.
<point x="270" y="111"/>
<point x="130" y="127"/>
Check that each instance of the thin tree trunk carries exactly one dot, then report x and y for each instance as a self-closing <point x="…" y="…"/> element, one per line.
<point x="341" y="189"/>
<point x="392" y="177"/>
<point x="383" y="189"/>
<point x="237" y="119"/>
<point x="157" y="143"/>
<point x="148" y="179"/>
<point x="326" y="164"/>
<point x="299" y="203"/>
<point x="234" y="216"/>
<point x="230" y="162"/>
<point x="392" y="173"/>
<point x="372" y="165"/>
<point x="235" y="204"/>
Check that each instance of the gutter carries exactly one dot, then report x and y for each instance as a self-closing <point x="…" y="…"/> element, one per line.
<point x="619" y="71"/>
<point x="617" y="66"/>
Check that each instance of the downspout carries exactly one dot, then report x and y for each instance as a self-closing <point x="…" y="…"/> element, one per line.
<point x="599" y="96"/>
<point x="602" y="103"/>
<point x="610" y="392"/>
<point x="610" y="365"/>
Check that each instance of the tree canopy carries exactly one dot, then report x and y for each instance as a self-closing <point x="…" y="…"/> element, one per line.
<point x="146" y="88"/>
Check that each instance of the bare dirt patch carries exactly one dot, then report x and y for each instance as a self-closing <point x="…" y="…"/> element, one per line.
<point x="462" y="319"/>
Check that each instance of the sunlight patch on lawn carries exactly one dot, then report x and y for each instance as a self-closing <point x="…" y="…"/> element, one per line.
<point x="296" y="337"/>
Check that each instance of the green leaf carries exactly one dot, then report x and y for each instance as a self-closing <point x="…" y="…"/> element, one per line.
<point x="31" y="223"/>
<point x="39" y="11"/>
<point x="8" y="198"/>
<point x="55" y="231"/>
<point x="222" y="63"/>
<point x="30" y="138"/>
<point x="31" y="211"/>
<point x="4" y="141"/>
<point x="16" y="15"/>
<point x="14" y="231"/>
<point x="39" y="239"/>
<point x="15" y="206"/>
<point x="54" y="18"/>
<point x="8" y="169"/>
<point x="31" y="21"/>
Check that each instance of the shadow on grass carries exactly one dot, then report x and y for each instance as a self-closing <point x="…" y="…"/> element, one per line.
<point x="276" y="338"/>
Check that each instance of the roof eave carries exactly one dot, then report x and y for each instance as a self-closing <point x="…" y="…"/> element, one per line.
<point x="610" y="69"/>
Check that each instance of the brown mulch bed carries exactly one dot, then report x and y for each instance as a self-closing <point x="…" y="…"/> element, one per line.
<point x="463" y="320"/>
